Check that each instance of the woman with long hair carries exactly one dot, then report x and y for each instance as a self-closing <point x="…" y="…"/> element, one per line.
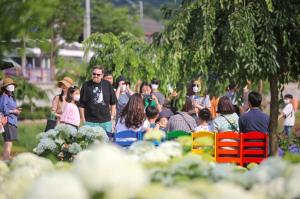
<point x="8" y="107"/>
<point x="133" y="114"/>
<point x="59" y="101"/>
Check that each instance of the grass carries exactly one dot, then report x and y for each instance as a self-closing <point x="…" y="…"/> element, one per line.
<point x="27" y="132"/>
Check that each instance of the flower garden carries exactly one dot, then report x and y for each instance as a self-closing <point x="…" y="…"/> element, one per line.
<point x="86" y="165"/>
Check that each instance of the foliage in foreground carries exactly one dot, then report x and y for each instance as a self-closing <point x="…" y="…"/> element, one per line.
<point x="145" y="171"/>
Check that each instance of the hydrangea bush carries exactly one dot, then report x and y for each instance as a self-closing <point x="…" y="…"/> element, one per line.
<point x="65" y="141"/>
<point x="145" y="171"/>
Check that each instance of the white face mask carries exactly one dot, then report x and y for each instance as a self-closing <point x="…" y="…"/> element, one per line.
<point x="76" y="98"/>
<point x="10" y="88"/>
<point x="195" y="89"/>
<point x="154" y="86"/>
<point x="286" y="101"/>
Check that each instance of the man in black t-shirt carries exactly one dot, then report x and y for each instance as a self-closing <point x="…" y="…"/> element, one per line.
<point x="96" y="97"/>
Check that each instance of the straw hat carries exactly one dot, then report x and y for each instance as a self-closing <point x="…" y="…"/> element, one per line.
<point x="67" y="81"/>
<point x="8" y="81"/>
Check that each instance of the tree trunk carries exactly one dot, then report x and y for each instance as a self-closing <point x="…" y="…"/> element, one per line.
<point x="52" y="58"/>
<point x="23" y="57"/>
<point x="260" y="86"/>
<point x="274" y="107"/>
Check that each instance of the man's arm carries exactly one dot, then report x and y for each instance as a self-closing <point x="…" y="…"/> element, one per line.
<point x="113" y="112"/>
<point x="81" y="110"/>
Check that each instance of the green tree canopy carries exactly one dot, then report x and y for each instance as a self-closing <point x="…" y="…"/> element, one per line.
<point x="237" y="40"/>
<point x="106" y="18"/>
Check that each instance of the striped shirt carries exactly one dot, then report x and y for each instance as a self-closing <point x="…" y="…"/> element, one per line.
<point x="181" y="121"/>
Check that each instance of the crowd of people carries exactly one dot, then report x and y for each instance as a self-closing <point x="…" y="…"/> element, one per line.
<point x="115" y="107"/>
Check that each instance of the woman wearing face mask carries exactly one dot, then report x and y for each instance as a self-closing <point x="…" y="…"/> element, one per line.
<point x="160" y="97"/>
<point x="199" y="102"/>
<point x="70" y="114"/>
<point x="123" y="94"/>
<point x="8" y="107"/>
<point x="60" y="100"/>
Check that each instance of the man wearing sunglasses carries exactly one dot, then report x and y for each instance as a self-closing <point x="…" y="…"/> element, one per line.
<point x="96" y="97"/>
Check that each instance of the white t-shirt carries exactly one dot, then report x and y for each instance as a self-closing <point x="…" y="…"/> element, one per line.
<point x="289" y="114"/>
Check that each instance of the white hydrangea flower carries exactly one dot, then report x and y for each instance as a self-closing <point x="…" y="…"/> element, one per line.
<point x="275" y="189"/>
<point x="20" y="180"/>
<point x="44" y="144"/>
<point x="52" y="133"/>
<point x="106" y="168"/>
<point x="292" y="184"/>
<point x="75" y="148"/>
<point x="177" y="193"/>
<point x="190" y="166"/>
<point x="141" y="147"/>
<point x="92" y="133"/>
<point x="31" y="160"/>
<point x="66" y="130"/>
<point x="268" y="170"/>
<point x="222" y="171"/>
<point x="226" y="189"/>
<point x="4" y="171"/>
<point x="2" y="196"/>
<point x="58" y="185"/>
<point x="153" y="156"/>
<point x="171" y="148"/>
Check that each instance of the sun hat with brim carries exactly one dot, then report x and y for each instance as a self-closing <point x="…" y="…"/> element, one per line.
<point x="67" y="81"/>
<point x="8" y="81"/>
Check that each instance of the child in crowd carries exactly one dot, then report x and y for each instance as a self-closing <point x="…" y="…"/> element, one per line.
<point x="288" y="113"/>
<point x="70" y="115"/>
<point x="152" y="114"/>
<point x="205" y="121"/>
<point x="163" y="119"/>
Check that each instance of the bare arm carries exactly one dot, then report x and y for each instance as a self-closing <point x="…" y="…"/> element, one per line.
<point x="281" y="115"/>
<point x="81" y="110"/>
<point x="113" y="111"/>
<point x="157" y="103"/>
<point x="118" y="91"/>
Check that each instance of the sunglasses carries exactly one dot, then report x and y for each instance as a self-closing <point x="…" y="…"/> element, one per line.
<point x="124" y="83"/>
<point x="97" y="74"/>
<point x="196" y="85"/>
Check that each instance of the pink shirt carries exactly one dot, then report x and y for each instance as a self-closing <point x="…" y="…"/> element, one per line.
<point x="70" y="114"/>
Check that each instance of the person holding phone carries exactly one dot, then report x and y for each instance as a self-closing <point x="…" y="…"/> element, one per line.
<point x="8" y="107"/>
<point x="194" y="92"/>
<point x="149" y="99"/>
<point x="123" y="93"/>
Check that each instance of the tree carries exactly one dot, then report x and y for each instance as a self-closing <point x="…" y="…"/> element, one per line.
<point x="241" y="40"/>
<point x="24" y="20"/>
<point x="124" y="54"/>
<point x="106" y="18"/>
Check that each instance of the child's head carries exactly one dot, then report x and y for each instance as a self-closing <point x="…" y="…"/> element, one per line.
<point x="288" y="98"/>
<point x="73" y="94"/>
<point x="204" y="115"/>
<point x="152" y="113"/>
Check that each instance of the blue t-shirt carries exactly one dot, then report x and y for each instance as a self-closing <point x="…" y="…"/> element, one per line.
<point x="8" y="103"/>
<point x="254" y="120"/>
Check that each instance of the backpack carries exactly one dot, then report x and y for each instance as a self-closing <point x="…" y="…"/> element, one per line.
<point x="295" y="104"/>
